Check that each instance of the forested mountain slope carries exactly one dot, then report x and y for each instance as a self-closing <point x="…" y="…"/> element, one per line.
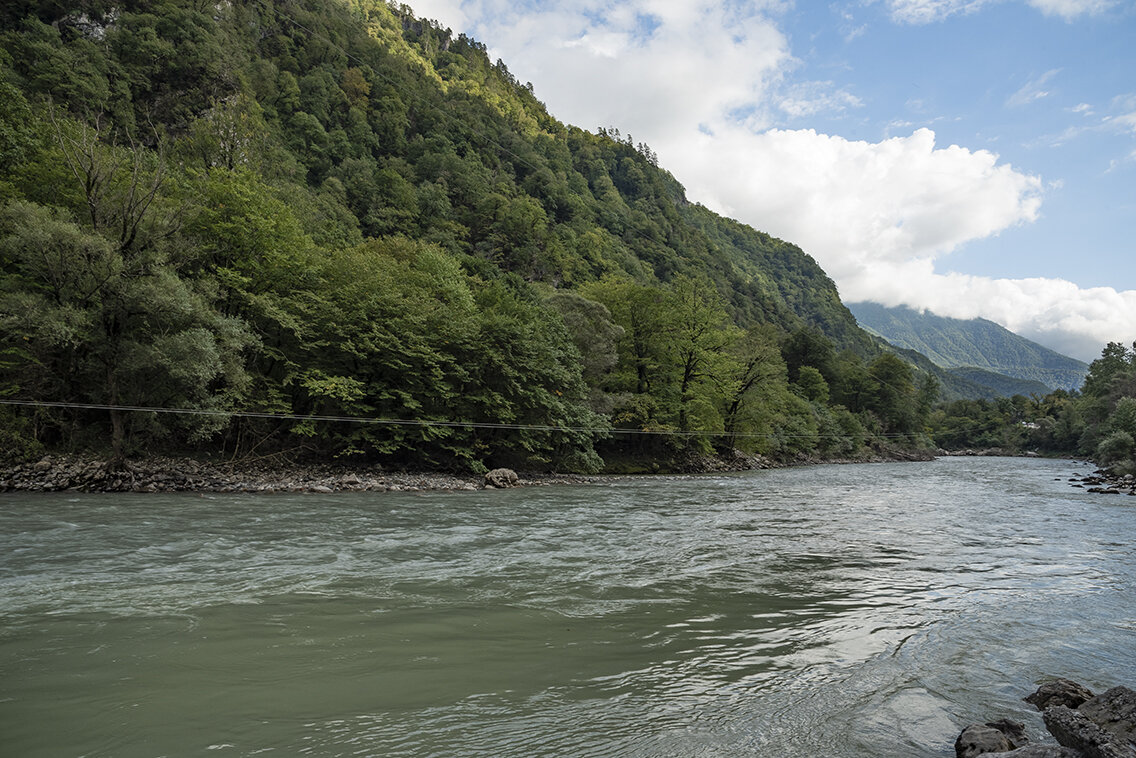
<point x="314" y="210"/>
<point x="975" y="343"/>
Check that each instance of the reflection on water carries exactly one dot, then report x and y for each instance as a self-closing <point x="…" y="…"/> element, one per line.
<point x="839" y="610"/>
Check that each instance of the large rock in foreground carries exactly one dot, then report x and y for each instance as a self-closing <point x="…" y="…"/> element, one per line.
<point x="1086" y="726"/>
<point x="1115" y="711"/>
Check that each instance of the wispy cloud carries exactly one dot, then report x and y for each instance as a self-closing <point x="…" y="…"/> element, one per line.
<point x="1070" y="9"/>
<point x="930" y="11"/>
<point x="811" y="98"/>
<point x="1033" y="90"/>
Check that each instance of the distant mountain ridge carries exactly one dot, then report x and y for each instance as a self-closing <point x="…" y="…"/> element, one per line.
<point x="958" y="344"/>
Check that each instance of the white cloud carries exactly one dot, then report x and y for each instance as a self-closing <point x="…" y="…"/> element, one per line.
<point x="853" y="202"/>
<point x="1057" y="313"/>
<point x="449" y="13"/>
<point x="1070" y="9"/>
<point x="810" y="98"/>
<point x="1124" y="123"/>
<point x="1032" y="90"/>
<point x="930" y="11"/>
<point x="650" y="67"/>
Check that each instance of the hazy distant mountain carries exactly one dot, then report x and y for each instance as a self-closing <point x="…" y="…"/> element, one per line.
<point x="999" y="385"/>
<point x="975" y="343"/>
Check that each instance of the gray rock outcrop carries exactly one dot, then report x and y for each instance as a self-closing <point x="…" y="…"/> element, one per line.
<point x="1075" y="730"/>
<point x="1059" y="692"/>
<point x="1115" y="712"/>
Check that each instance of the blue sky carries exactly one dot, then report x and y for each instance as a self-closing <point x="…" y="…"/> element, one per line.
<point x="972" y="157"/>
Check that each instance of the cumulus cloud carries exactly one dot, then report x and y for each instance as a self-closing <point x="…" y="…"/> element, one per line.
<point x="650" y="67"/>
<point x="851" y="202"/>
<point x="882" y="217"/>
<point x="1057" y="313"/>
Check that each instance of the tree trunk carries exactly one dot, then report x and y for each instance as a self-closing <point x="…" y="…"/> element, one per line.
<point x="117" y="460"/>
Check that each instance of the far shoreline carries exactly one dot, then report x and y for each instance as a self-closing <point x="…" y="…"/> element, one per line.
<point x="157" y="474"/>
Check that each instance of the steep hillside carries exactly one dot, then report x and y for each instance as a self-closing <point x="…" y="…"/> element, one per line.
<point x="976" y="343"/>
<point x="317" y="212"/>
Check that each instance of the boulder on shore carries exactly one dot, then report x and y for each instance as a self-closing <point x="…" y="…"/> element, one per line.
<point x="501" y="478"/>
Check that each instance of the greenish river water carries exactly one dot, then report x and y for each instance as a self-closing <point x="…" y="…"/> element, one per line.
<point x="867" y="610"/>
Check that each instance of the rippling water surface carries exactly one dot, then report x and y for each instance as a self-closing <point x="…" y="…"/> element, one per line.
<point x="837" y="610"/>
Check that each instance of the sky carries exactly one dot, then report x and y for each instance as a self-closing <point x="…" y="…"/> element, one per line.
<point x="975" y="158"/>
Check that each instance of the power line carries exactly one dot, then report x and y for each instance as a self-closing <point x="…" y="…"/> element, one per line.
<point x="418" y="422"/>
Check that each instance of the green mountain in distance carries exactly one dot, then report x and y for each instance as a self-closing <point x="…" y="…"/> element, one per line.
<point x="976" y="349"/>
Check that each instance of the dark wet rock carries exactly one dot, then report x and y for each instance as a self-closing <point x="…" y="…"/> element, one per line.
<point x="993" y="737"/>
<point x="1115" y="712"/>
<point x="1042" y="751"/>
<point x="1059" y="692"/>
<point x="1084" y="725"/>
<point x="502" y="478"/>
<point x="1015" y="730"/>
<point x="1074" y="729"/>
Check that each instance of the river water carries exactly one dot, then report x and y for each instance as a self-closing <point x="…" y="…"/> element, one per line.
<point x="866" y="610"/>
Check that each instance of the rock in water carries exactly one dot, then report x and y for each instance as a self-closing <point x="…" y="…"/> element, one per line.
<point x="994" y="737"/>
<point x="1076" y="730"/>
<point x="1059" y="692"/>
<point x="501" y="478"/>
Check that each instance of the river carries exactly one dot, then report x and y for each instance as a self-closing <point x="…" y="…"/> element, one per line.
<point x="860" y="610"/>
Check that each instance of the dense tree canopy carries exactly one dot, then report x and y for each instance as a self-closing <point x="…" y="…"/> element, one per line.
<point x="312" y="208"/>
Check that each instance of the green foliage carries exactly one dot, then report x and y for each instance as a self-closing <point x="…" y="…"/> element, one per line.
<point x="87" y="322"/>
<point x="336" y="209"/>
<point x="1115" y="363"/>
<point x="1116" y="447"/>
<point x="1100" y="422"/>
<point x="810" y="384"/>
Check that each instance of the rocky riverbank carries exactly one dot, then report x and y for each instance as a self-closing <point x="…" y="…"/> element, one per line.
<point x="1083" y="724"/>
<point x="55" y="473"/>
<point x="1106" y="483"/>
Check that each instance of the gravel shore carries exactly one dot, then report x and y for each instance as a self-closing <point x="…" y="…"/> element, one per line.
<point x="55" y="473"/>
